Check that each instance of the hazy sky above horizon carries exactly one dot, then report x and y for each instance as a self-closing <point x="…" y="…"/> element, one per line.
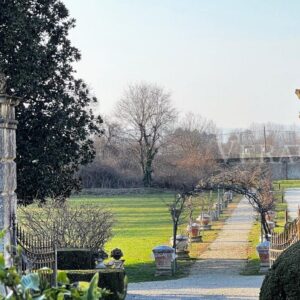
<point x="235" y="62"/>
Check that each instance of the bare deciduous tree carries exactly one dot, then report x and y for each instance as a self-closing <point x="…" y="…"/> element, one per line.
<point x="79" y="226"/>
<point x="188" y="152"/>
<point x="176" y="208"/>
<point x="146" y="113"/>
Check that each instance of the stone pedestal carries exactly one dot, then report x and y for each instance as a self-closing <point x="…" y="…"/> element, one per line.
<point x="196" y="239"/>
<point x="182" y="243"/>
<point x="263" y="252"/>
<point x="183" y="254"/>
<point x="205" y="227"/>
<point x="219" y="208"/>
<point x="214" y="215"/>
<point x="164" y="260"/>
<point x="8" y="180"/>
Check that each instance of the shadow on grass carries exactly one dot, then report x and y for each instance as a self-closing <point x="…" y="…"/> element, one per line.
<point x="145" y="271"/>
<point x="252" y="267"/>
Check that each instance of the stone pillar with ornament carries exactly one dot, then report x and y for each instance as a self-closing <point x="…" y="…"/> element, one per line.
<point x="8" y="178"/>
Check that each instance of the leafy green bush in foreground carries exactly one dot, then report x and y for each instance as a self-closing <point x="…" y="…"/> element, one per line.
<point x="31" y="286"/>
<point x="283" y="279"/>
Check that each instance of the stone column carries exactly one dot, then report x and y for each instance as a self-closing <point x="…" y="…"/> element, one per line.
<point x="8" y="179"/>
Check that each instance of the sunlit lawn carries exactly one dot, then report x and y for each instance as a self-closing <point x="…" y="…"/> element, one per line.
<point x="287" y="183"/>
<point x="141" y="223"/>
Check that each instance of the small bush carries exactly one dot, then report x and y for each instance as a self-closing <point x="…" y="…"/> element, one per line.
<point x="283" y="279"/>
<point x="114" y="280"/>
<point x="79" y="226"/>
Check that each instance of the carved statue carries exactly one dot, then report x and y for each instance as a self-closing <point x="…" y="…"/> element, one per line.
<point x="2" y="83"/>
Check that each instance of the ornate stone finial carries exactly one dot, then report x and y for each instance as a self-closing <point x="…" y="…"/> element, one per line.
<point x="2" y="83"/>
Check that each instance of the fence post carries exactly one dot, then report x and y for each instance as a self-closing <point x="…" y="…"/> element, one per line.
<point x="55" y="265"/>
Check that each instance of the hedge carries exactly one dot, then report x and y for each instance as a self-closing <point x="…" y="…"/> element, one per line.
<point x="75" y="259"/>
<point x="283" y="279"/>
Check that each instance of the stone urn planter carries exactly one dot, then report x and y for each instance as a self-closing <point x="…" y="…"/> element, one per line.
<point x="204" y="220"/>
<point x="164" y="260"/>
<point x="263" y="252"/>
<point x="219" y="207"/>
<point x="117" y="262"/>
<point x="194" y="233"/>
<point x="182" y="243"/>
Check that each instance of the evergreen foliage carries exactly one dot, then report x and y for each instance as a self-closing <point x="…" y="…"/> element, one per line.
<point x="55" y="115"/>
<point x="283" y="279"/>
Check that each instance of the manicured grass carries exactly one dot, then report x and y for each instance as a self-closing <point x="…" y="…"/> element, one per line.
<point x="143" y="222"/>
<point x="287" y="183"/>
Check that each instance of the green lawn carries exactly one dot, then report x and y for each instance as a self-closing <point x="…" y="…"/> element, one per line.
<point x="141" y="223"/>
<point x="287" y="183"/>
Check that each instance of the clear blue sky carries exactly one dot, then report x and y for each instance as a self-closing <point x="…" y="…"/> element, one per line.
<point x="235" y="62"/>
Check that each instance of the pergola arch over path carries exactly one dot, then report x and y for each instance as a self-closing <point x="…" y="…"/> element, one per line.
<point x="251" y="181"/>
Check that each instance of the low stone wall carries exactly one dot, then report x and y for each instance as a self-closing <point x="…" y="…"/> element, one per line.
<point x="285" y="170"/>
<point x="122" y="191"/>
<point x="280" y="167"/>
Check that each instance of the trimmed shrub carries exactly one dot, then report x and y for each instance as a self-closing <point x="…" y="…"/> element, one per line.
<point x="283" y="279"/>
<point x="115" y="280"/>
<point x="75" y="259"/>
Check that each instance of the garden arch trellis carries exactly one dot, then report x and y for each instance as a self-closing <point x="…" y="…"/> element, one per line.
<point x="253" y="182"/>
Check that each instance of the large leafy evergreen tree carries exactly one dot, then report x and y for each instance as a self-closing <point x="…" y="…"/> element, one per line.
<point x="55" y="116"/>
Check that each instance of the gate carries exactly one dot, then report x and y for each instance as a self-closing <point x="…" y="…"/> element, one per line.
<point x="37" y="254"/>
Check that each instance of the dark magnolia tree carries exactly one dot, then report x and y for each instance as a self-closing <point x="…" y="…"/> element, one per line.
<point x="146" y="114"/>
<point x="55" y="115"/>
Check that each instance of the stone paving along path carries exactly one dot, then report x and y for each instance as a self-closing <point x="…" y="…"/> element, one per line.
<point x="292" y="198"/>
<point x="216" y="276"/>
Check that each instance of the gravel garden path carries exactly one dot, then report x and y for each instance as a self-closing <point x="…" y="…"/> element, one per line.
<point x="292" y="198"/>
<point x="216" y="274"/>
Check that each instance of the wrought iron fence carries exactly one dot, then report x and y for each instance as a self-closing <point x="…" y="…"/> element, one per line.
<point x="281" y="241"/>
<point x="38" y="254"/>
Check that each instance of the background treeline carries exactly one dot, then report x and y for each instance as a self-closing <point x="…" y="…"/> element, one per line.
<point x="147" y="143"/>
<point x="187" y="150"/>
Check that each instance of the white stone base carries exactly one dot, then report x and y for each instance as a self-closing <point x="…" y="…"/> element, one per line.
<point x="205" y="227"/>
<point x="196" y="239"/>
<point x="183" y="254"/>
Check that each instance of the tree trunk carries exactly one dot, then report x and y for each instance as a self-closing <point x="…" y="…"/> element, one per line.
<point x="147" y="179"/>
<point x="175" y="227"/>
<point x="264" y="225"/>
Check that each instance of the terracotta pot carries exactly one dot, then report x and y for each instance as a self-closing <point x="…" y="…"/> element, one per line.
<point x="204" y="219"/>
<point x="193" y="229"/>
